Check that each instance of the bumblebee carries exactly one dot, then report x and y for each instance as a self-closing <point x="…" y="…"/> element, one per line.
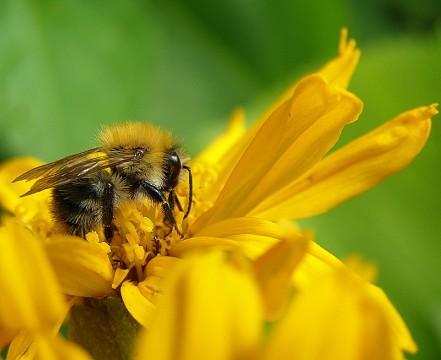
<point x="133" y="161"/>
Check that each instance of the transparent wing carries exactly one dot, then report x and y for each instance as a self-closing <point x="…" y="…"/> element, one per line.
<point x="54" y="166"/>
<point x="72" y="167"/>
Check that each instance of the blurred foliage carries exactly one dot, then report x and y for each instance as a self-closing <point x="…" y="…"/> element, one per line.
<point x="68" y="67"/>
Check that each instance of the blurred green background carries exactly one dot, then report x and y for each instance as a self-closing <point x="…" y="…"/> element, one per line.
<point x="68" y="67"/>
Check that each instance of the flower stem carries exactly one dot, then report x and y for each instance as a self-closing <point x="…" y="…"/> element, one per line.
<point x="104" y="328"/>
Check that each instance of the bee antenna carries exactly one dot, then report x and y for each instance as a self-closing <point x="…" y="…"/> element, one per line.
<point x="190" y="190"/>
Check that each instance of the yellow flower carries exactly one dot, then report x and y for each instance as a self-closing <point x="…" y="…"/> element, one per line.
<point x="200" y="317"/>
<point x="31" y="305"/>
<point x="245" y="184"/>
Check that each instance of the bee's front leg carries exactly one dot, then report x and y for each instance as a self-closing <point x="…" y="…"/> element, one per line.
<point x="174" y="200"/>
<point x="158" y="197"/>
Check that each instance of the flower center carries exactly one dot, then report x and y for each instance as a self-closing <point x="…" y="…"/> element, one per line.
<point x="140" y="235"/>
<point x="140" y="232"/>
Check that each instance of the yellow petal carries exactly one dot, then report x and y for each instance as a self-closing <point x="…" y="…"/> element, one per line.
<point x="156" y="270"/>
<point x="31" y="210"/>
<point x="249" y="244"/>
<point x="137" y="305"/>
<point x="48" y="348"/>
<point x="252" y="246"/>
<point x="6" y="335"/>
<point x="253" y="236"/>
<point x="30" y="296"/>
<point x="209" y="310"/>
<point x="291" y="141"/>
<point x="10" y="192"/>
<point x="399" y="329"/>
<point x="200" y="243"/>
<point x="218" y="148"/>
<point x="308" y="148"/>
<point x="336" y="318"/>
<point x="82" y="268"/>
<point x="160" y="265"/>
<point x="242" y="225"/>
<point x="274" y="270"/>
<point x="119" y="276"/>
<point x="353" y="169"/>
<point x="317" y="264"/>
<point x="23" y="346"/>
<point x="214" y="159"/>
<point x="151" y="287"/>
<point x="339" y="71"/>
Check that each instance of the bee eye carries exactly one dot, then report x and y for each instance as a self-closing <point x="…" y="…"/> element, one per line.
<point x="139" y="152"/>
<point x="173" y="169"/>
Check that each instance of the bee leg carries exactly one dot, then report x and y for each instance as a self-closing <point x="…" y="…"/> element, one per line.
<point x="158" y="197"/>
<point x="171" y="199"/>
<point x="108" y="232"/>
<point x="107" y="206"/>
<point x="178" y="203"/>
<point x="174" y="200"/>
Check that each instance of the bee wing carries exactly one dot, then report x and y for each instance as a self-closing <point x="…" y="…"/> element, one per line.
<point x="72" y="167"/>
<point x="52" y="167"/>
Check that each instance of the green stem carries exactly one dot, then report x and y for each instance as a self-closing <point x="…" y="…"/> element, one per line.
<point x="104" y="328"/>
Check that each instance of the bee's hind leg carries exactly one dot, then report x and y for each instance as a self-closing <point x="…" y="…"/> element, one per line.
<point x="108" y="232"/>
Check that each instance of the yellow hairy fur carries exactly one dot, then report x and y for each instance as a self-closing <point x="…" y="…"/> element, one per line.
<point x="134" y="135"/>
